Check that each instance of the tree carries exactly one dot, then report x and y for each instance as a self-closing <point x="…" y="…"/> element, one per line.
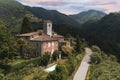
<point x="67" y="50"/>
<point x="78" y="43"/>
<point x="96" y="49"/>
<point x="26" y="26"/>
<point x="67" y="36"/>
<point x="7" y="43"/>
<point x="55" y="55"/>
<point x="30" y="49"/>
<point x="44" y="59"/>
<point x="2" y="76"/>
<point x="21" y="42"/>
<point x="60" y="73"/>
<point x="95" y="58"/>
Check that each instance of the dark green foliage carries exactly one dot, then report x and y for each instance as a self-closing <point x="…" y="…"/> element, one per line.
<point x="78" y="43"/>
<point x="56" y="17"/>
<point x="24" y="64"/>
<point x="107" y="67"/>
<point x="21" y="43"/>
<point x="26" y="26"/>
<point x="59" y="74"/>
<point x="22" y="69"/>
<point x="106" y="71"/>
<point x="88" y="16"/>
<point x="12" y="13"/>
<point x="44" y="59"/>
<point x="105" y="33"/>
<point x="53" y="76"/>
<point x="96" y="49"/>
<point x="64" y="29"/>
<point x="1" y="75"/>
<point x="67" y="36"/>
<point x="37" y="26"/>
<point x="7" y="43"/>
<point x="72" y="62"/>
<point x="55" y="55"/>
<point x="95" y="58"/>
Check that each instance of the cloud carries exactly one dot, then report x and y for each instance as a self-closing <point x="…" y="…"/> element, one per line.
<point x="75" y="6"/>
<point x="108" y="5"/>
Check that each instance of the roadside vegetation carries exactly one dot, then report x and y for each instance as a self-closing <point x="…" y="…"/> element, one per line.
<point x="73" y="56"/>
<point x="103" y="66"/>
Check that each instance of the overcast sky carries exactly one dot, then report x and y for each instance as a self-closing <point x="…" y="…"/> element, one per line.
<point x="75" y="6"/>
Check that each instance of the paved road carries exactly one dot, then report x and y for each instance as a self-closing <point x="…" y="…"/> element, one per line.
<point x="82" y="70"/>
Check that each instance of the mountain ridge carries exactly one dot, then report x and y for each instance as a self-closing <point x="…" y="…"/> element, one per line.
<point x="105" y="33"/>
<point x="86" y="16"/>
<point x="53" y="15"/>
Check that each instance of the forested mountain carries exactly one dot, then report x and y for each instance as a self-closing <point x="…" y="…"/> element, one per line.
<point x="53" y="15"/>
<point x="105" y="33"/>
<point x="86" y="16"/>
<point x="11" y="13"/>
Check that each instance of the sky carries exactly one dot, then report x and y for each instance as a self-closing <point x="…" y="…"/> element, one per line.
<point x="75" y="6"/>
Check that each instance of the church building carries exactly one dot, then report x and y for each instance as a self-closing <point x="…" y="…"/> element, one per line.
<point x="44" y="40"/>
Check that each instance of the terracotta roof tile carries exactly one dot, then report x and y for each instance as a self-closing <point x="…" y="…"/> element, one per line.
<point x="30" y="34"/>
<point x="44" y="38"/>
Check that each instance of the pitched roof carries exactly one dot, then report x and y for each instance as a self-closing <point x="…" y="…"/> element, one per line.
<point x="30" y="34"/>
<point x="44" y="38"/>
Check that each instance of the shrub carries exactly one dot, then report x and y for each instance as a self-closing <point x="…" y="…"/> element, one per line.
<point x="44" y="59"/>
<point x="60" y="73"/>
<point x="67" y="50"/>
<point x="96" y="49"/>
<point x="1" y="75"/>
<point x="95" y="58"/>
<point x="55" y="55"/>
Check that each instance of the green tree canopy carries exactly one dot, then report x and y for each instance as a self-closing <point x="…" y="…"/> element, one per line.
<point x="21" y="42"/>
<point x="7" y="43"/>
<point x="26" y="26"/>
<point x="78" y="43"/>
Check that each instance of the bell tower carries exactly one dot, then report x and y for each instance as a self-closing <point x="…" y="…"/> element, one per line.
<point x="47" y="27"/>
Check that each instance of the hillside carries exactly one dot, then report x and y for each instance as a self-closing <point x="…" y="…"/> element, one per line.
<point x="105" y="33"/>
<point x="86" y="16"/>
<point x="11" y="13"/>
<point x="57" y="17"/>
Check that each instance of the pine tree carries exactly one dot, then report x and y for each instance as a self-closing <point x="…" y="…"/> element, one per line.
<point x="78" y="43"/>
<point x="26" y="26"/>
